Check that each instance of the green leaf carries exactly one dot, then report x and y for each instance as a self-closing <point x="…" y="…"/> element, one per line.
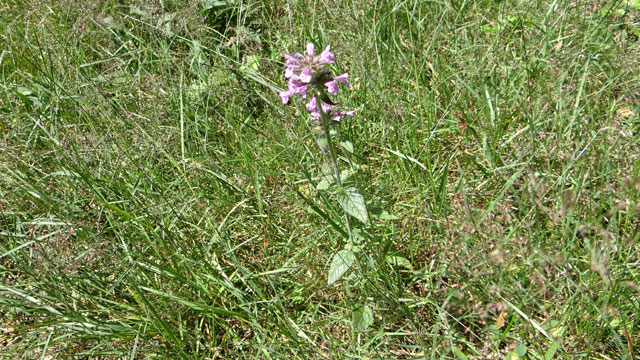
<point x="488" y="28"/>
<point x="323" y="185"/>
<point x="459" y="354"/>
<point x="362" y="318"/>
<point x="340" y="264"/>
<point x="251" y="64"/>
<point x="347" y="145"/>
<point x="399" y="261"/>
<point x="555" y="329"/>
<point x="378" y="213"/>
<point x="24" y="91"/>
<point x="551" y="351"/>
<point x="521" y="350"/>
<point x="353" y="203"/>
<point x="326" y="183"/>
<point x="214" y="5"/>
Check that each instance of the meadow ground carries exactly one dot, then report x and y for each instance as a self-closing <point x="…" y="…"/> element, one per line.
<point x="157" y="200"/>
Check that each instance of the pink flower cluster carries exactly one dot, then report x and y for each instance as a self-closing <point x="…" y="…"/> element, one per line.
<point x="308" y="75"/>
<point x="312" y="106"/>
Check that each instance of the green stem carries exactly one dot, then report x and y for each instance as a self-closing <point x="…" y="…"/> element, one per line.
<point x="326" y="121"/>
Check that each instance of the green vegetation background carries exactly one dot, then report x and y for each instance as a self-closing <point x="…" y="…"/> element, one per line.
<point x="155" y="196"/>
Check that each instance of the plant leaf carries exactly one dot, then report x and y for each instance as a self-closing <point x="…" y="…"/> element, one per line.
<point x="399" y="261"/>
<point x="378" y="213"/>
<point x="251" y="64"/>
<point x="362" y="317"/>
<point x="551" y="351"/>
<point x="323" y="185"/>
<point x="347" y="145"/>
<point x="520" y="349"/>
<point x="341" y="262"/>
<point x="459" y="354"/>
<point x="327" y="181"/>
<point x="353" y="203"/>
<point x="213" y="4"/>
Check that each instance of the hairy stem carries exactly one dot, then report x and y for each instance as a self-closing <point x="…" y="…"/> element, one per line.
<point x="326" y="121"/>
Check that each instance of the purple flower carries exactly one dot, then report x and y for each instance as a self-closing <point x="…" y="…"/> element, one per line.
<point x="312" y="105"/>
<point x="289" y="72"/>
<point x="328" y="109"/>
<point x="342" y="78"/>
<point x="297" y="88"/>
<point x="306" y="76"/>
<point x="332" y="87"/>
<point x="290" y="59"/>
<point x="284" y="96"/>
<point x="308" y="72"/>
<point x="310" y="49"/>
<point x="326" y="56"/>
<point x="335" y="116"/>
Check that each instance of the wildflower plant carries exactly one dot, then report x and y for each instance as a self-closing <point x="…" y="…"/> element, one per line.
<point x="310" y="78"/>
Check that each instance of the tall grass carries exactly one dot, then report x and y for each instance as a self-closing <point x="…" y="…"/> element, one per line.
<point x="156" y="199"/>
